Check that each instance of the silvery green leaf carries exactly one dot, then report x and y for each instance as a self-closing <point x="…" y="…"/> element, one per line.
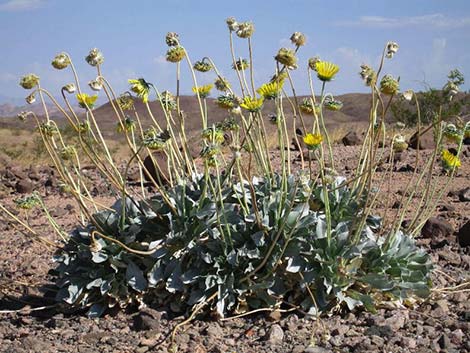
<point x="95" y="283"/>
<point x="98" y="257"/>
<point x="258" y="238"/>
<point x="96" y="310"/>
<point x="135" y="277"/>
<point x="174" y="282"/>
<point x="295" y="264"/>
<point x="156" y="274"/>
<point x="320" y="229"/>
<point x="190" y="276"/>
<point x="378" y="281"/>
<point x="70" y="294"/>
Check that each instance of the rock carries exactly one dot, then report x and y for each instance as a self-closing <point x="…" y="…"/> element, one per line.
<point x="275" y="334"/>
<point x="463" y="236"/>
<point x="464" y="195"/>
<point x="156" y="168"/>
<point x="449" y="256"/>
<point x="466" y="141"/>
<point x="24" y="186"/>
<point x="397" y="321"/>
<point x="351" y="139"/>
<point x="444" y="342"/>
<point x="316" y="350"/>
<point x="436" y="227"/>
<point x="441" y="309"/>
<point x="214" y="330"/>
<point x="423" y="142"/>
<point x="147" y="319"/>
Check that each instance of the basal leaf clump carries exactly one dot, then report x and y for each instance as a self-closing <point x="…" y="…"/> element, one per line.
<point x="264" y="258"/>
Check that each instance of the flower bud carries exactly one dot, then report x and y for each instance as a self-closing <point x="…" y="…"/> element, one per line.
<point x="29" y="81"/>
<point x="392" y="48"/>
<point x="202" y="66"/>
<point x="389" y="85"/>
<point x="368" y="75"/>
<point x="95" y="85"/>
<point x="312" y="63"/>
<point x="70" y="88"/>
<point x="31" y="98"/>
<point x="298" y="39"/>
<point x="61" y="61"/>
<point x="175" y="54"/>
<point x="94" y="57"/>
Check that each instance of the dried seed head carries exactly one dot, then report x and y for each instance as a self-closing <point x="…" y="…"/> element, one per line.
<point x="298" y="39"/>
<point x="172" y="39"/>
<point x="245" y="29"/>
<point x="29" y="81"/>
<point x="95" y="57"/>
<point x="175" y="54"/>
<point x="232" y="24"/>
<point x="389" y="85"/>
<point x="61" y="61"/>
<point x="312" y="63"/>
<point x="95" y="85"/>
<point x="287" y="57"/>
<point x="222" y="84"/>
<point x="368" y="75"/>
<point x="31" y="98"/>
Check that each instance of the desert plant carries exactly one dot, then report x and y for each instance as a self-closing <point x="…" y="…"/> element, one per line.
<point x="228" y="231"/>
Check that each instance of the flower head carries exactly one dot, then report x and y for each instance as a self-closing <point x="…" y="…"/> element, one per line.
<point x="141" y="88"/>
<point x="70" y="88"/>
<point x="213" y="135"/>
<point x="326" y="70"/>
<point x="226" y="101"/>
<point x="61" y="61"/>
<point x="86" y="101"/>
<point x="245" y="29"/>
<point x="449" y="161"/>
<point x="23" y="115"/>
<point x="155" y="140"/>
<point x="175" y="54"/>
<point x="270" y="90"/>
<point x="368" y="75"/>
<point x="308" y="107"/>
<point x="167" y="100"/>
<point x="48" y="129"/>
<point x="95" y="85"/>
<point x="202" y="66"/>
<point x="450" y="90"/>
<point x="95" y="57"/>
<point x="313" y="141"/>
<point x="399" y="144"/>
<point x="392" y="48"/>
<point x="203" y="91"/>
<point x="68" y="152"/>
<point x="232" y="24"/>
<point x="287" y="57"/>
<point x="31" y="98"/>
<point x="312" y="63"/>
<point x="126" y="126"/>
<point x="125" y="102"/>
<point x="389" y="85"/>
<point x="172" y="39"/>
<point x="298" y="39"/>
<point x="222" y="84"/>
<point x="253" y="105"/>
<point x="241" y="64"/>
<point x="27" y="203"/>
<point x="279" y="77"/>
<point x="83" y="127"/>
<point x="29" y="81"/>
<point x="408" y="95"/>
<point x="452" y="133"/>
<point x="332" y="104"/>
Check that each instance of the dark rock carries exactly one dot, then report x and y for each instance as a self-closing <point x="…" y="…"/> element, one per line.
<point x="214" y="330"/>
<point x="444" y="342"/>
<point x="147" y="319"/>
<point x="24" y="186"/>
<point x="156" y="168"/>
<point x="464" y="195"/>
<point x="466" y="141"/>
<point x="351" y="139"/>
<point x="406" y="168"/>
<point x="423" y="142"/>
<point x="463" y="236"/>
<point x="436" y="228"/>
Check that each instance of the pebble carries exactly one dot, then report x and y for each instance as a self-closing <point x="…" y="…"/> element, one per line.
<point x="275" y="334"/>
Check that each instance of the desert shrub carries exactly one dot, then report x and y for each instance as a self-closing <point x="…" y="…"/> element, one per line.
<point x="227" y="228"/>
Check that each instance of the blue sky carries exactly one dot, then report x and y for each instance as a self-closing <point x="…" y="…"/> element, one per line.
<point x="433" y="35"/>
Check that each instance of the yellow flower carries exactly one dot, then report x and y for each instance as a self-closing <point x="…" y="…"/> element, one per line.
<point x="450" y="161"/>
<point x="141" y="88"/>
<point x="270" y="90"/>
<point x="326" y="70"/>
<point x="203" y="91"/>
<point x="313" y="141"/>
<point x="85" y="100"/>
<point x="253" y="105"/>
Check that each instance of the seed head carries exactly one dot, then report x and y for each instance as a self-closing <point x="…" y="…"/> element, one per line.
<point x="232" y="24"/>
<point x="222" y="84"/>
<point x="368" y="75"/>
<point x="389" y="85"/>
<point x="392" y="48"/>
<point x="61" y="61"/>
<point x="175" y="54"/>
<point x="298" y="39"/>
<point x="31" y="98"/>
<point x="287" y="57"/>
<point x="172" y="39"/>
<point x="245" y="29"/>
<point x="95" y="85"/>
<point x="70" y="88"/>
<point x="95" y="57"/>
<point x="29" y="81"/>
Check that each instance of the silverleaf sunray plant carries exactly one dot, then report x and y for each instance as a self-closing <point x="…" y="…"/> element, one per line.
<point x="225" y="230"/>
